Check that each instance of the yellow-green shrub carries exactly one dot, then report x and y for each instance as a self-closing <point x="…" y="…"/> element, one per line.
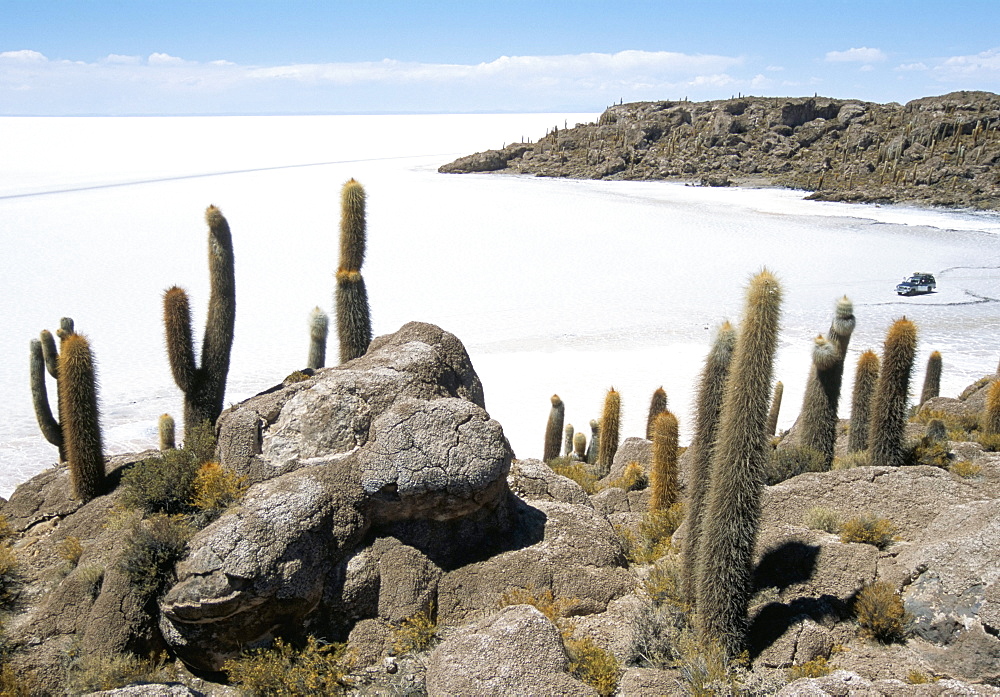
<point x="879" y="611"/>
<point x="966" y="469"/>
<point x="284" y="671"/>
<point x="577" y="471"/>
<point x="415" y="633"/>
<point x="816" y="668"/>
<point x="822" y="518"/>
<point x="652" y="540"/>
<point x="868" y="530"/>
<point x="592" y="665"/>
<point x="633" y="478"/>
<point x="216" y="488"/>
<point x="544" y="601"/>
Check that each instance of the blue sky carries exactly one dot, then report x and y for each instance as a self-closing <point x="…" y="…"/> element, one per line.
<point x="213" y="57"/>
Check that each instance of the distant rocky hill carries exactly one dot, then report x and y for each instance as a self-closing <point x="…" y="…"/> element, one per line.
<point x="941" y="151"/>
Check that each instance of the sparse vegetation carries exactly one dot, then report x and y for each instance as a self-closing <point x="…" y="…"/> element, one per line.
<point x="966" y="469"/>
<point x="71" y="549"/>
<point x="284" y="671"/>
<point x="633" y="478"/>
<point x="216" y="488"/>
<point x="869" y="530"/>
<point x="858" y="458"/>
<point x="786" y="463"/>
<point x="592" y="665"/>
<point x="577" y="471"/>
<point x="544" y="601"/>
<point x="416" y="633"/>
<point x="822" y="518"/>
<point x="917" y="677"/>
<point x="816" y="668"/>
<point x="94" y="671"/>
<point x="154" y="546"/>
<point x="880" y="613"/>
<point x="652" y="538"/>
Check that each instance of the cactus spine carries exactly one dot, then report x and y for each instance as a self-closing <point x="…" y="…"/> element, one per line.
<point x="664" y="485"/>
<point x="553" y="429"/>
<point x="819" y="406"/>
<point x="657" y="404"/>
<point x="610" y="421"/>
<point x="568" y="440"/>
<point x="595" y="441"/>
<point x="772" y="416"/>
<point x="166" y="425"/>
<point x="865" y="379"/>
<point x="204" y="387"/>
<point x="319" y="327"/>
<point x="732" y="513"/>
<point x="354" y="325"/>
<point x="81" y="422"/>
<point x="888" y="411"/>
<point x="932" y="377"/>
<point x="710" y="390"/>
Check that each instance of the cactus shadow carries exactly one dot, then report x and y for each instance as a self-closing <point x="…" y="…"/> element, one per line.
<point x="790" y="563"/>
<point x="774" y="619"/>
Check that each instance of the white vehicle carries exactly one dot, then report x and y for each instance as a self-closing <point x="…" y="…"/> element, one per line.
<point x="917" y="283"/>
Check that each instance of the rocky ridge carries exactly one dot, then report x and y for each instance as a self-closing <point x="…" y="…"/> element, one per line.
<point x="940" y="151"/>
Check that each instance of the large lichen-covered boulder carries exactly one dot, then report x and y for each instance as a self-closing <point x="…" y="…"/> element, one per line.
<point x="395" y="442"/>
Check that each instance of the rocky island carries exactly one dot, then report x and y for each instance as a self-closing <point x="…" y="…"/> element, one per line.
<point x="939" y="151"/>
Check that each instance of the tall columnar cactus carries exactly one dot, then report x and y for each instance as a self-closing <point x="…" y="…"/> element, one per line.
<point x="610" y="422"/>
<point x="990" y="424"/>
<point x="932" y="377"/>
<point x="664" y="486"/>
<point x="888" y="415"/>
<point x="81" y="422"/>
<point x="865" y="379"/>
<point x="44" y="356"/>
<point x="819" y="407"/>
<point x="319" y="327"/>
<point x="742" y="448"/>
<point x="709" y="403"/>
<point x="354" y="325"/>
<point x="568" y="440"/>
<point x="579" y="446"/>
<point x="166" y="427"/>
<point x="772" y="415"/>
<point x="204" y="386"/>
<point x="657" y="404"/>
<point x="553" y="429"/>
<point x="595" y="441"/>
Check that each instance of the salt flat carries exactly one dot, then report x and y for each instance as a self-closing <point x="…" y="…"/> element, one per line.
<point x="553" y="285"/>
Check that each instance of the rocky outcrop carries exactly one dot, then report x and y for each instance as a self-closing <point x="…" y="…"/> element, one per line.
<point x="938" y="150"/>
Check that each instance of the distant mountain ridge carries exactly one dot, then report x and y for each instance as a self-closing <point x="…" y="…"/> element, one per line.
<point x="941" y="151"/>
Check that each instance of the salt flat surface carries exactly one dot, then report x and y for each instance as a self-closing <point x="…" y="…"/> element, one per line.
<point x="553" y="285"/>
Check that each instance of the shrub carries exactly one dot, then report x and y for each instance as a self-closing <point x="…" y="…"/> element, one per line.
<point x="989" y="441"/>
<point x="577" y="471"/>
<point x="199" y="441"/>
<point x="217" y="488"/>
<point x="71" y="550"/>
<point x="816" y="668"/>
<point x="879" y="611"/>
<point x="161" y="484"/>
<point x="822" y="518"/>
<point x="592" y="665"/>
<point x="952" y="422"/>
<point x="652" y="540"/>
<point x="152" y="548"/>
<point x="966" y="469"/>
<point x="930" y="452"/>
<point x="92" y="577"/>
<point x="633" y="478"/>
<point x="284" y="671"/>
<point x="94" y="671"/>
<point x="6" y="529"/>
<point x="859" y="458"/>
<point x="663" y="584"/>
<point x="16" y="683"/>
<point x="786" y="463"/>
<point x="416" y="633"/>
<point x="9" y="577"/>
<point x="868" y="530"/>
<point x="916" y="677"/>
<point x="544" y="602"/>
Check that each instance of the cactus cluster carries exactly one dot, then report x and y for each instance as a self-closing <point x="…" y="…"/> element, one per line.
<point x="204" y="386"/>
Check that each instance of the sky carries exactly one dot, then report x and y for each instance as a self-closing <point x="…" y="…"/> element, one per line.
<point x="113" y="57"/>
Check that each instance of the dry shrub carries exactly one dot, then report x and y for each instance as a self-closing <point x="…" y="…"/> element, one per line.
<point x="577" y="471"/>
<point x="592" y="665"/>
<point x="917" y="677"/>
<point x="94" y="671"/>
<point x="822" y="518"/>
<point x="9" y="577"/>
<point x="930" y="452"/>
<point x="652" y="540"/>
<point x="663" y="583"/>
<point x="284" y="671"/>
<point x="91" y="576"/>
<point x="786" y="463"/>
<point x="416" y="633"/>
<point x="879" y="611"/>
<point x="869" y="530"/>
<point x="217" y="488"/>
<point x="17" y="683"/>
<point x="71" y="549"/>
<point x="989" y="441"/>
<point x="633" y="478"/>
<point x="816" y="668"/>
<point x="6" y="530"/>
<point x="152" y="549"/>
<point x="952" y="422"/>
<point x="859" y="458"/>
<point x="545" y="602"/>
<point x="966" y="469"/>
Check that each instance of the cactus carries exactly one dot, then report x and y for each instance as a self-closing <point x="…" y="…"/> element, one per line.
<point x="579" y="446"/>
<point x="595" y="441"/>
<point x="772" y="415"/>
<point x="354" y="325"/>
<point x="990" y="422"/>
<point x="664" y="485"/>
<point x="657" y="404"/>
<point x="166" y="424"/>
<point x="319" y="326"/>
<point x="553" y="429"/>
<point x="819" y="406"/>
<point x="610" y="420"/>
<point x="204" y="387"/>
<point x="865" y="378"/>
<point x="888" y="410"/>
<point x="568" y="440"/>
<point x="81" y="421"/>
<point x="932" y="377"/>
<point x="45" y="357"/>
<point x="742" y="448"/>
<point x="709" y="403"/>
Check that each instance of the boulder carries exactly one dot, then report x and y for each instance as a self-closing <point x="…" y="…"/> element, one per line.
<point x="533" y="480"/>
<point x="516" y="651"/>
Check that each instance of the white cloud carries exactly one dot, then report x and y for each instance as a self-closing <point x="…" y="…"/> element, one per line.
<point x="866" y="68"/>
<point x="164" y="59"/>
<point x="118" y="59"/>
<point x="24" y="56"/>
<point x="987" y="62"/>
<point x="907" y="67"/>
<point x="856" y="55"/>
